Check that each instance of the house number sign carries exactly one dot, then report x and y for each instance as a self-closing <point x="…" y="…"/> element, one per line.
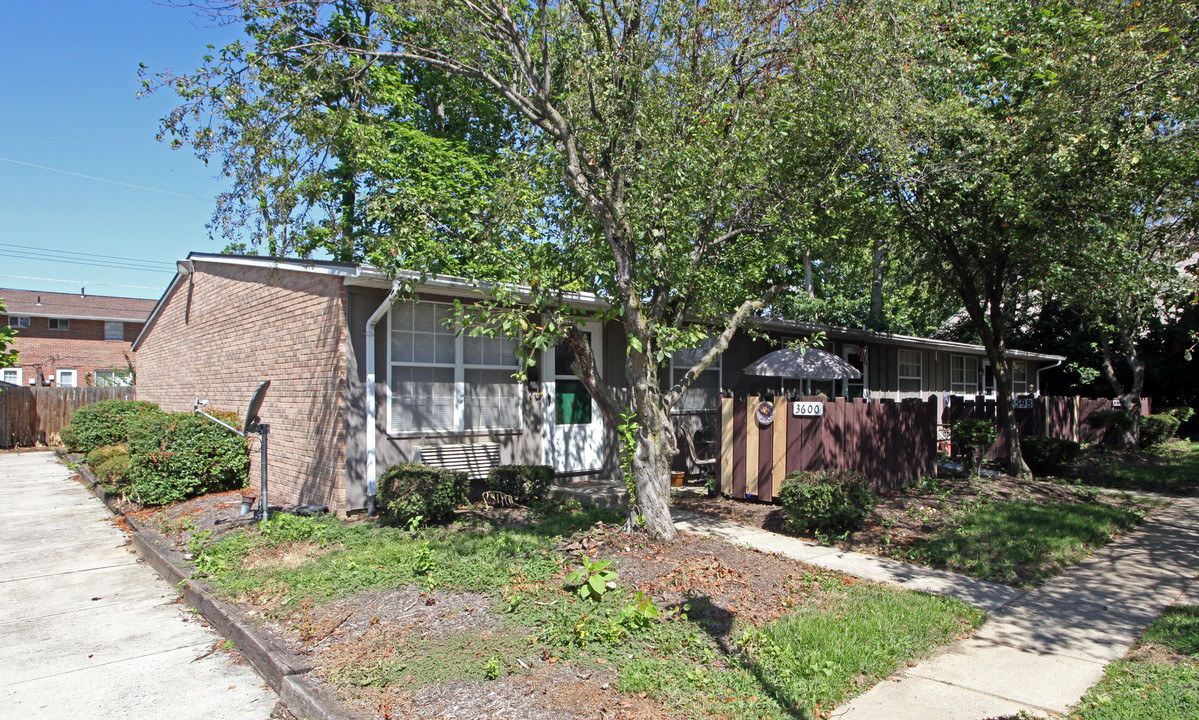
<point x="1024" y="403"/>
<point x="807" y="409"/>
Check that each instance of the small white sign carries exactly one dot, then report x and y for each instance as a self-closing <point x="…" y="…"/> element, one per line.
<point x="1116" y="404"/>
<point x="807" y="409"/>
<point x="1024" y="403"/>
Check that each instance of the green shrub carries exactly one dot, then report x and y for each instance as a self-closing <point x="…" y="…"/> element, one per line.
<point x="96" y="457"/>
<point x="522" y="482"/>
<point x="1048" y="455"/>
<point x="1182" y="413"/>
<point x="972" y="438"/>
<point x="103" y="423"/>
<point x="113" y="471"/>
<point x="176" y="456"/>
<point x="826" y="500"/>
<point x="409" y="490"/>
<point x="1157" y="429"/>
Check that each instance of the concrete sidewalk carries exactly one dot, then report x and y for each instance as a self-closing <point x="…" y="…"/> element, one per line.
<point x="1039" y="651"/>
<point x="88" y="631"/>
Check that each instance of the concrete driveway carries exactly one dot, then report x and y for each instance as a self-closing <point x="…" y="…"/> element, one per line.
<point x="87" y="630"/>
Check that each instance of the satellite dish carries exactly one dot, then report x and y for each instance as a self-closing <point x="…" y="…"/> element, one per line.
<point x="255" y="406"/>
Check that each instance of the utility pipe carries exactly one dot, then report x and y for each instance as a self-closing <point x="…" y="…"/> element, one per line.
<point x="372" y="481"/>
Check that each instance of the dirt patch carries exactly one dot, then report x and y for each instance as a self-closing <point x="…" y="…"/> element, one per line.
<point x="372" y="648"/>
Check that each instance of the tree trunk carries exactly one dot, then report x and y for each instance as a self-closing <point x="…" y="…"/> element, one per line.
<point x="1009" y="430"/>
<point x="808" y="283"/>
<point x="656" y="448"/>
<point x="875" y="319"/>
<point x="1130" y="399"/>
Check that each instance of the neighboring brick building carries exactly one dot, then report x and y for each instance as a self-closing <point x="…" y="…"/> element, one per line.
<point x="72" y="339"/>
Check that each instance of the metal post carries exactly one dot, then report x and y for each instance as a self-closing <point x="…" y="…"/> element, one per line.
<point x="263" y="430"/>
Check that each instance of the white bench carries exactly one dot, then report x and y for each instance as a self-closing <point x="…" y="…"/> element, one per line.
<point x="474" y="459"/>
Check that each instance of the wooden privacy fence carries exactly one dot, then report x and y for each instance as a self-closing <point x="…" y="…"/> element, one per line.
<point x="893" y="443"/>
<point x="35" y="415"/>
<point x="1064" y="418"/>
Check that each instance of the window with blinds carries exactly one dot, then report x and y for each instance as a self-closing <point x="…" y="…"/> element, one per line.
<point x="443" y="381"/>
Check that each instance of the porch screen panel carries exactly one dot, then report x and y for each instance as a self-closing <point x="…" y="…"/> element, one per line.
<point x="1019" y="377"/>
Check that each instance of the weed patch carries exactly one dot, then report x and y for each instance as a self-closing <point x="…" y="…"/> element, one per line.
<point x="1157" y="679"/>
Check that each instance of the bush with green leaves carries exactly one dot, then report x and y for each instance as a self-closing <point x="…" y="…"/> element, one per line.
<point x="176" y="456"/>
<point x="1048" y="455"/>
<point x="103" y="423"/>
<point x="522" y="482"/>
<point x="1118" y="419"/>
<point x="826" y="500"/>
<point x="110" y="464"/>
<point x="408" y="491"/>
<point x="972" y="438"/>
<point x="1182" y="413"/>
<point x="1158" y="429"/>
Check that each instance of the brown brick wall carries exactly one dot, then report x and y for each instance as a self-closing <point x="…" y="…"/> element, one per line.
<point x="231" y="327"/>
<point x="82" y="348"/>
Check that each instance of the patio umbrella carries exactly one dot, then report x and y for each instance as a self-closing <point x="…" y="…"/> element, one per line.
<point x="813" y="364"/>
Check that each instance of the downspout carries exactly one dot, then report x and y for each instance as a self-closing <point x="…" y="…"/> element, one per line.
<point x="1047" y="367"/>
<point x="1045" y="409"/>
<point x="372" y="481"/>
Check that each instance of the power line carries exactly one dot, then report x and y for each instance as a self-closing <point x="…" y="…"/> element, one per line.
<point x="152" y="264"/>
<point x="88" y="263"/>
<point x="105" y="180"/>
<point x="80" y="282"/>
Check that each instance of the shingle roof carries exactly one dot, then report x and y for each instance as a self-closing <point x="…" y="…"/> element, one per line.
<point x="73" y="305"/>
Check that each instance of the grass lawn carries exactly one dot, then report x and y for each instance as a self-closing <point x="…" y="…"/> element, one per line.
<point x="480" y="615"/>
<point x="1005" y="529"/>
<point x="1020" y="542"/>
<point x="1159" y="678"/>
<point x="1172" y="468"/>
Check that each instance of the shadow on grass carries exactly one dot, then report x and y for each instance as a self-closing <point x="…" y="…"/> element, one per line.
<point x="1173" y="470"/>
<point x="1024" y="543"/>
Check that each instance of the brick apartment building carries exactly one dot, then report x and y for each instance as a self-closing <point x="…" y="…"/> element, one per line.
<point x="72" y="339"/>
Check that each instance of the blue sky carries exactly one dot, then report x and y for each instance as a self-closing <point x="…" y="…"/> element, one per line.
<point x="68" y="76"/>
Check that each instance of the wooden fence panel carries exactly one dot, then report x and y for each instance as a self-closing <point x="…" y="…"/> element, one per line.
<point x="35" y="415"/>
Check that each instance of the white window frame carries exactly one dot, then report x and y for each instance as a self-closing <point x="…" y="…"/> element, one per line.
<point x="12" y="372"/>
<point x="18" y="321"/>
<point x="899" y="369"/>
<point x="1023" y="381"/>
<point x="58" y="323"/>
<point x="118" y="327"/>
<point x="682" y="367"/>
<point x="459" y="366"/>
<point x="968" y="387"/>
<point x="60" y="375"/>
<point x="112" y="378"/>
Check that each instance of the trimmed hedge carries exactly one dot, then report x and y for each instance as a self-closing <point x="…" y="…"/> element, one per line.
<point x="409" y="490"/>
<point x="176" y="456"/>
<point x="1158" y="429"/>
<point x="826" y="500"/>
<point x="103" y="423"/>
<point x="522" y="482"/>
<point x="1048" y="455"/>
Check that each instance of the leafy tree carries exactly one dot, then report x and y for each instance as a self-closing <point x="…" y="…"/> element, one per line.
<point x="8" y="357"/>
<point x="669" y="146"/>
<point x="974" y="116"/>
<point x="326" y="152"/>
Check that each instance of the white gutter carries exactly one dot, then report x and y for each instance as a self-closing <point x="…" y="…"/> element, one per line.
<point x="372" y="480"/>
